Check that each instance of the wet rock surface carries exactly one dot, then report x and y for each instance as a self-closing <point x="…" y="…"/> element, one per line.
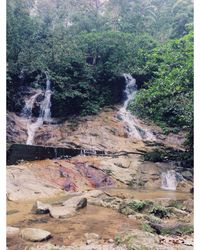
<point x="91" y="132"/>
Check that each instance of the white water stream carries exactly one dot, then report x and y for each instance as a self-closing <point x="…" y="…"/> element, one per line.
<point x="169" y="180"/>
<point x="29" y="103"/>
<point x="44" y="115"/>
<point x="129" y="120"/>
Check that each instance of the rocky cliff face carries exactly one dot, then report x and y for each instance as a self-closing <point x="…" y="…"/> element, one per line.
<point x="105" y="131"/>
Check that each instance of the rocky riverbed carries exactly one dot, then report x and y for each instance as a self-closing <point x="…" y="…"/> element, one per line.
<point x="97" y="202"/>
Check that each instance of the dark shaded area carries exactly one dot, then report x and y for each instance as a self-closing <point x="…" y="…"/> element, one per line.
<point x="183" y="158"/>
<point x="141" y="79"/>
<point x="18" y="152"/>
<point x="174" y="229"/>
<point x="22" y="85"/>
<point x="102" y="93"/>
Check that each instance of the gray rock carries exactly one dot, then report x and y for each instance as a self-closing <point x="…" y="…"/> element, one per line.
<point x="91" y="238"/>
<point x="73" y="202"/>
<point x="69" y="207"/>
<point x="187" y="175"/>
<point x="12" y="231"/>
<point x="35" y="234"/>
<point x="41" y="208"/>
<point x="62" y="212"/>
<point x="178" y="212"/>
<point x="82" y="203"/>
<point x="188" y="242"/>
<point x="89" y="242"/>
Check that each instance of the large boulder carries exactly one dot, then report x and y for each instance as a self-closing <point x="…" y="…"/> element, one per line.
<point x="35" y="234"/>
<point x="62" y="212"/>
<point x="69" y="207"/>
<point x="76" y="202"/>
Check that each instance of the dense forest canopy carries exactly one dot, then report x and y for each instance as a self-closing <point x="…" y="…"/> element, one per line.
<point x="86" y="46"/>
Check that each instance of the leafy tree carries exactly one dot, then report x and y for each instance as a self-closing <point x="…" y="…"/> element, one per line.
<point x="169" y="94"/>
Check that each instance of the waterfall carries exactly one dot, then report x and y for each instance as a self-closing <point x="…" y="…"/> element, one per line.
<point x="129" y="120"/>
<point x="169" y="180"/>
<point x="45" y="108"/>
<point x="130" y="90"/>
<point x="129" y="94"/>
<point x="29" y="103"/>
<point x="44" y="114"/>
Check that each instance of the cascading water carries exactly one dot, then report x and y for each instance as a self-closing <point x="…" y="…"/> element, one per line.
<point x="44" y="115"/>
<point x="169" y="180"/>
<point x="45" y="108"/>
<point x="129" y="93"/>
<point x="131" y="127"/>
<point x="29" y="103"/>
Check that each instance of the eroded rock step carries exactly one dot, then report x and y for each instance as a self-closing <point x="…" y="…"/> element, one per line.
<point x="25" y="152"/>
<point x="18" y="152"/>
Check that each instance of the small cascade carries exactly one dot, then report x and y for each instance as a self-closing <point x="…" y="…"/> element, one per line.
<point x="82" y="152"/>
<point x="85" y="152"/>
<point x="44" y="115"/>
<point x="56" y="153"/>
<point x="29" y="103"/>
<point x="129" y="120"/>
<point x="45" y="108"/>
<point x="169" y="180"/>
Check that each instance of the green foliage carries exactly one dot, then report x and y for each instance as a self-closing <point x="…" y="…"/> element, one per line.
<point x="117" y="239"/>
<point x="185" y="230"/>
<point x="169" y="94"/>
<point x="160" y="211"/>
<point x="153" y="219"/>
<point x="179" y="230"/>
<point x="177" y="204"/>
<point x="154" y="156"/>
<point x="169" y="154"/>
<point x="147" y="228"/>
<point x="139" y="205"/>
<point x="85" y="69"/>
<point x="87" y="45"/>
